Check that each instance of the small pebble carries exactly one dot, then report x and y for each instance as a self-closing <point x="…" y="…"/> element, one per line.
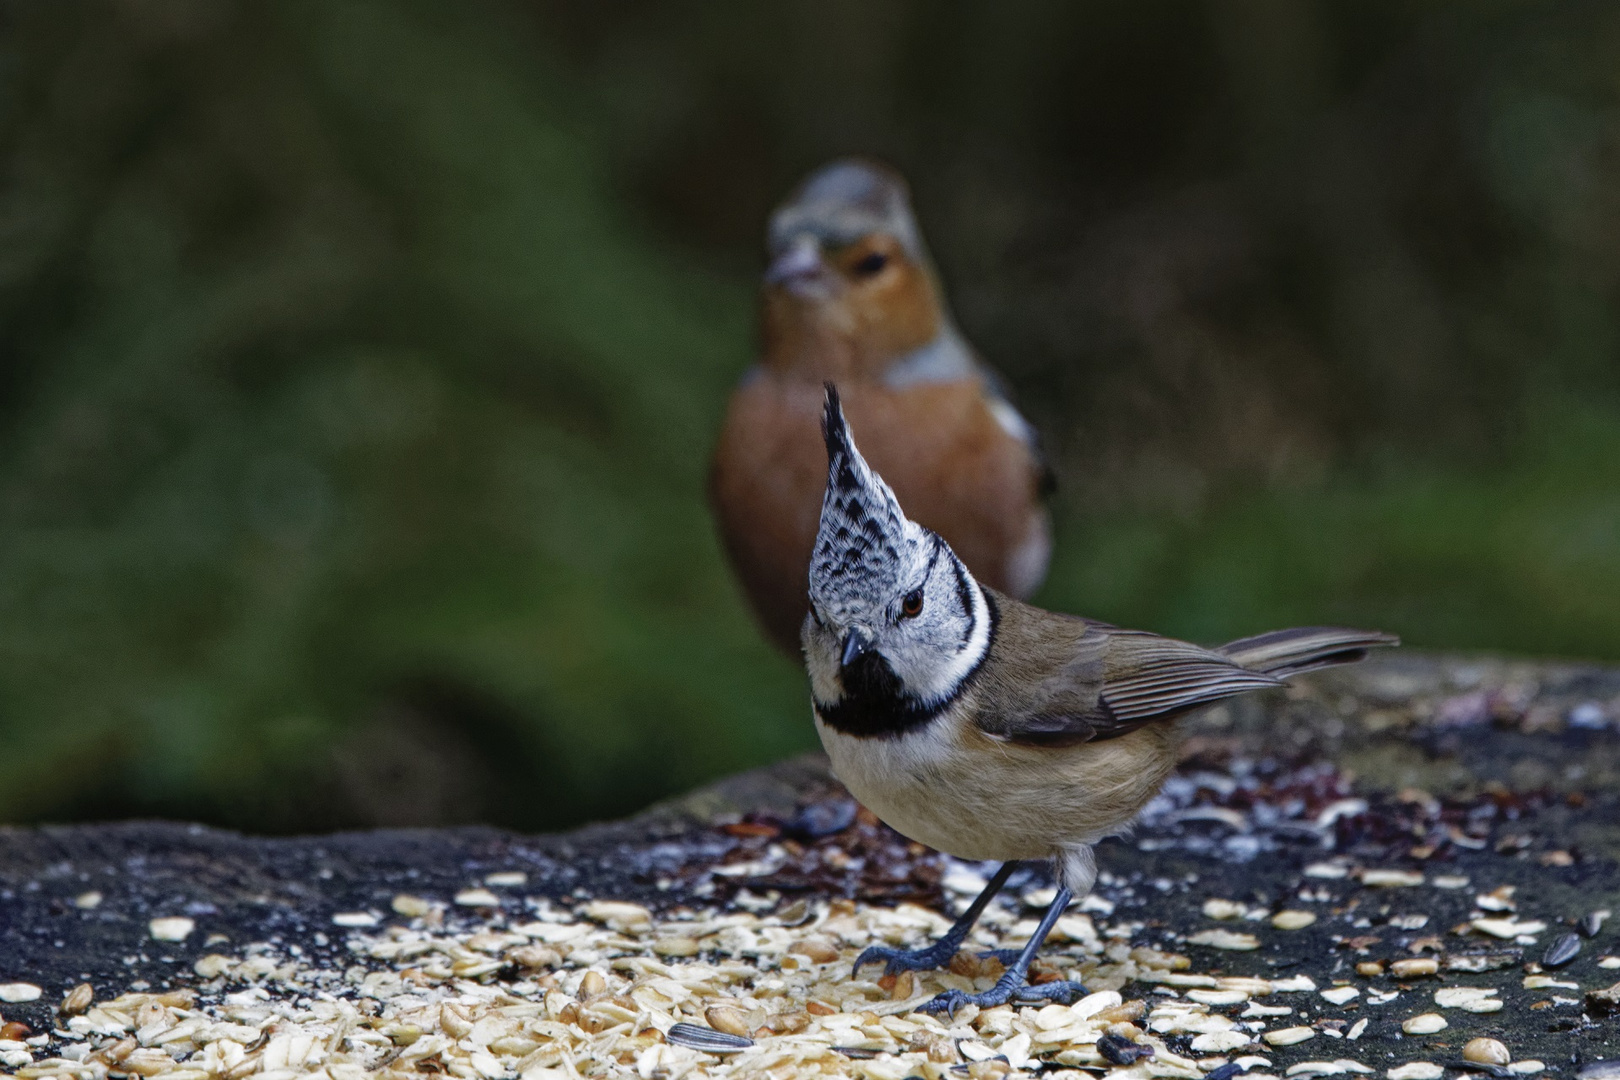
<point x="1416" y="1070"/>
<point x="1424" y="1024"/>
<point x="1289" y="1036"/>
<point x="1562" y="951"/>
<point x="1292" y="920"/>
<point x="706" y="1039"/>
<point x="1486" y="1052"/>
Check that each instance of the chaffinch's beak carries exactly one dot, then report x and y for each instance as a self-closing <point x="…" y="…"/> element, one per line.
<point x="799" y="268"/>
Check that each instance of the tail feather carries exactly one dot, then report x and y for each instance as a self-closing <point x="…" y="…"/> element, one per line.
<point x="1284" y="653"/>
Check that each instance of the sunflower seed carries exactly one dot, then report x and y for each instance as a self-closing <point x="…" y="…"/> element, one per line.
<point x="1561" y="951"/>
<point x="1122" y="1051"/>
<point x="706" y="1039"/>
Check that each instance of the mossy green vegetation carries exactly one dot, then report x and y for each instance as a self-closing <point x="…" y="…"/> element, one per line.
<point x="362" y="359"/>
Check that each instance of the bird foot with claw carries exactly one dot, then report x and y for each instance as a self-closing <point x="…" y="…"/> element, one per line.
<point x="1022" y="993"/>
<point x="937" y="955"/>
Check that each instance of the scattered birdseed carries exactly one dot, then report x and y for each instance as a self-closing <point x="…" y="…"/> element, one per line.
<point x="507" y="879"/>
<point x="1327" y="871"/>
<point x="1218" y="997"/>
<point x="1449" y="881"/>
<point x="1486" y="1052"/>
<point x="477" y="898"/>
<point x="1215" y="908"/>
<point x="77" y="1000"/>
<point x="1416" y="1070"/>
<point x="1289" y="1036"/>
<point x="19" y="992"/>
<point x="1508" y="928"/>
<point x="1415" y="968"/>
<point x="1391" y="879"/>
<point x="412" y="907"/>
<point x="1327" y="1068"/>
<point x="1292" y="920"/>
<point x="1468" y="998"/>
<point x="1339" y="995"/>
<point x="1424" y="1024"/>
<point x="355" y="919"/>
<point x="87" y="901"/>
<point x="172" y="928"/>
<point x="1225" y="939"/>
<point x="1528" y="1067"/>
<point x="1609" y="962"/>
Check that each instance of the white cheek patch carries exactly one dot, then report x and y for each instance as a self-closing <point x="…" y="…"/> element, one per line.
<point x="938" y="676"/>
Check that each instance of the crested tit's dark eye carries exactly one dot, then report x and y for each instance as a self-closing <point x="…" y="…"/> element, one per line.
<point x="911" y="606"/>
<point x="871" y="263"/>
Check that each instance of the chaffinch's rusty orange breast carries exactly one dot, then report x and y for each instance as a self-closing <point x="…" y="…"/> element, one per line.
<point x="850" y="296"/>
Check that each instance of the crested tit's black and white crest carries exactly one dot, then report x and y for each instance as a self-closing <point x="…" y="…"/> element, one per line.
<point x="897" y="625"/>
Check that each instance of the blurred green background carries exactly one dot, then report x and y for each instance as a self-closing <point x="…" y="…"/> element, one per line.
<point x="361" y="359"/>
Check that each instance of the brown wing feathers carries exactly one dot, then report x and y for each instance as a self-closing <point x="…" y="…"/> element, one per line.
<point x="1112" y="681"/>
<point x="1305" y="648"/>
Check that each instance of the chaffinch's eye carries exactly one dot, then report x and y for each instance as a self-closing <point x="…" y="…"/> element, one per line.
<point x="871" y="263"/>
<point x="911" y="606"/>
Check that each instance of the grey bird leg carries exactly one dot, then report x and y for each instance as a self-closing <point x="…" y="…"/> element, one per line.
<point x="1013" y="985"/>
<point x="940" y="952"/>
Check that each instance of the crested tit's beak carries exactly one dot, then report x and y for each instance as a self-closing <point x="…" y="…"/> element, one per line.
<point x="857" y="643"/>
<point x="799" y="269"/>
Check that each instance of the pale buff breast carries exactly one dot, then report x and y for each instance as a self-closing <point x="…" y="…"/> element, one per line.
<point x="955" y="789"/>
